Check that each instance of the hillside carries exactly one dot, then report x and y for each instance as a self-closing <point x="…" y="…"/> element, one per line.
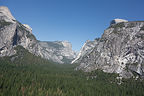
<point x="119" y="50"/>
<point x="27" y="75"/>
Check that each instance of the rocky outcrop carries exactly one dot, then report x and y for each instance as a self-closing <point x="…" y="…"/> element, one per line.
<point x="115" y="21"/>
<point x="28" y="27"/>
<point x="13" y="33"/>
<point x="119" y="50"/>
<point x="86" y="49"/>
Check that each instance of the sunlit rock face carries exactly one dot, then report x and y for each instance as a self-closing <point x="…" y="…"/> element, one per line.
<point x="6" y="15"/>
<point x="28" y="27"/>
<point x="115" y="21"/>
<point x="86" y="49"/>
<point x="119" y="50"/>
<point x="13" y="33"/>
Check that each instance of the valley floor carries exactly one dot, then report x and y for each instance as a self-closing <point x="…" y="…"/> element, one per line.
<point x="61" y="80"/>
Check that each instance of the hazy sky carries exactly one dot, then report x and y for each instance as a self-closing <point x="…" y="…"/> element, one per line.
<point x="73" y="20"/>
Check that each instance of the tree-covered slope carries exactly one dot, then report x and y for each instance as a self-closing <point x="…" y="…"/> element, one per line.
<point x="27" y="75"/>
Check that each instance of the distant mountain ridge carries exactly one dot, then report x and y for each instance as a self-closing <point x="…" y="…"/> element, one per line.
<point x="13" y="33"/>
<point x="58" y="50"/>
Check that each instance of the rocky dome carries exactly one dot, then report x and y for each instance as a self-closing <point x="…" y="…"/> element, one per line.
<point x="5" y="14"/>
<point x="115" y="21"/>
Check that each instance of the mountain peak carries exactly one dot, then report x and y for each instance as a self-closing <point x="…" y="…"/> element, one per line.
<point x="119" y="50"/>
<point x="5" y="14"/>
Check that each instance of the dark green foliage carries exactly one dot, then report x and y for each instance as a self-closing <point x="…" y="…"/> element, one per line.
<point x="103" y="40"/>
<point x="21" y="28"/>
<point x="118" y="25"/>
<point x="131" y="25"/>
<point x="4" y="23"/>
<point x="28" y="75"/>
<point x="135" y="64"/>
<point x="97" y="39"/>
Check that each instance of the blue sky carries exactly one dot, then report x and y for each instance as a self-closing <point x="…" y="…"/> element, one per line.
<point x="73" y="20"/>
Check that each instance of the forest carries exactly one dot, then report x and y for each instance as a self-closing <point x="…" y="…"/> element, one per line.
<point x="27" y="75"/>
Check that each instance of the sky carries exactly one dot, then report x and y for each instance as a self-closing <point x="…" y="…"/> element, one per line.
<point x="73" y="20"/>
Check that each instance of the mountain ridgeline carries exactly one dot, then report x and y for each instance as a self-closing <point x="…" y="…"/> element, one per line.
<point x="119" y="50"/>
<point x="112" y="65"/>
<point x="13" y="33"/>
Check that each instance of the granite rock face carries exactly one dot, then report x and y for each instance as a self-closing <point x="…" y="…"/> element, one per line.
<point x="86" y="49"/>
<point x="58" y="51"/>
<point x="119" y="50"/>
<point x="13" y="33"/>
<point x="6" y="15"/>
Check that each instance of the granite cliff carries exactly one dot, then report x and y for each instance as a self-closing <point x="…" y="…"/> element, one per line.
<point x="13" y="33"/>
<point x="119" y="50"/>
<point x="86" y="49"/>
